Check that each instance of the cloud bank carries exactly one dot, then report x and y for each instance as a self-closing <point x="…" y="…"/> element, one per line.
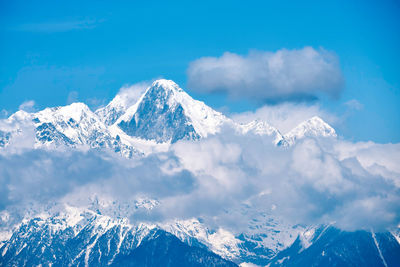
<point x="300" y="74"/>
<point x="315" y="181"/>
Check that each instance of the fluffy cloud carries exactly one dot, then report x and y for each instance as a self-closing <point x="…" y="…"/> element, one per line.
<point x="131" y="93"/>
<point x="301" y="74"/>
<point x="27" y="106"/>
<point x="313" y="182"/>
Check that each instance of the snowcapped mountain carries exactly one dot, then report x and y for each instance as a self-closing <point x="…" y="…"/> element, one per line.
<point x="314" y="127"/>
<point x="72" y="125"/>
<point x="87" y="237"/>
<point x="260" y="128"/>
<point x="329" y="246"/>
<point x="165" y="113"/>
<point x="133" y="124"/>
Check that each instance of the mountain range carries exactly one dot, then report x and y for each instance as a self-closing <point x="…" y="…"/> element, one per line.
<point x="163" y="115"/>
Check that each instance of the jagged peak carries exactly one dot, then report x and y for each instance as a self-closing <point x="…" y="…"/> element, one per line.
<point x="74" y="111"/>
<point x="166" y="97"/>
<point x="315" y="127"/>
<point x="260" y="127"/>
<point x="73" y="107"/>
<point x="316" y="119"/>
<point x="316" y="123"/>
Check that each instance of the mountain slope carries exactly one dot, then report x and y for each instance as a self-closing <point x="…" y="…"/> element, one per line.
<point x="163" y="249"/>
<point x="126" y="98"/>
<point x="83" y="237"/>
<point x="329" y="246"/>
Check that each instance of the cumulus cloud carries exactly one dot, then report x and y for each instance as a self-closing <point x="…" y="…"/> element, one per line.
<point x="132" y="92"/>
<point x="315" y="181"/>
<point x="27" y="106"/>
<point x="286" y="116"/>
<point x="299" y="74"/>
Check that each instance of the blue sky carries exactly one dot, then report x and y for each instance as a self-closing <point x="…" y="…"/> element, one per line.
<point x="53" y="53"/>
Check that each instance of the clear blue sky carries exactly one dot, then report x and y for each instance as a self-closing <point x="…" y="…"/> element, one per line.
<point x="49" y="49"/>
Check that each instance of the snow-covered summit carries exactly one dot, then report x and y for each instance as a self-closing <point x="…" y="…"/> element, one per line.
<point x="261" y="128"/>
<point x="76" y="121"/>
<point x="313" y="127"/>
<point x="166" y="113"/>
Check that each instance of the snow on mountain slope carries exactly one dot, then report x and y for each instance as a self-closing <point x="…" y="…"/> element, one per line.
<point x="165" y="113"/>
<point x="72" y="125"/>
<point x="126" y="98"/>
<point x="92" y="238"/>
<point x="80" y="237"/>
<point x="329" y="246"/>
<point x="90" y="233"/>
<point x="313" y="127"/>
<point x="76" y="121"/>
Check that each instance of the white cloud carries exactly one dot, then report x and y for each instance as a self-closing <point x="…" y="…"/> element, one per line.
<point x="72" y="97"/>
<point x="313" y="182"/>
<point x="27" y="106"/>
<point x="300" y="74"/>
<point x="131" y="93"/>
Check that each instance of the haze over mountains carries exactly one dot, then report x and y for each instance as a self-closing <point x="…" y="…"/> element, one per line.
<point x="193" y="187"/>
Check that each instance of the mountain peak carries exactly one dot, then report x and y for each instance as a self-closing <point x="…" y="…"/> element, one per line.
<point x="166" y="113"/>
<point x="75" y="111"/>
<point x="166" y="85"/>
<point x="316" y="120"/>
<point x="313" y="127"/>
<point x="20" y="115"/>
<point x="260" y="127"/>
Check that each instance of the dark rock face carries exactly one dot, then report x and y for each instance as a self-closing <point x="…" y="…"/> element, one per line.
<point x="39" y="242"/>
<point x="46" y="132"/>
<point x="164" y="249"/>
